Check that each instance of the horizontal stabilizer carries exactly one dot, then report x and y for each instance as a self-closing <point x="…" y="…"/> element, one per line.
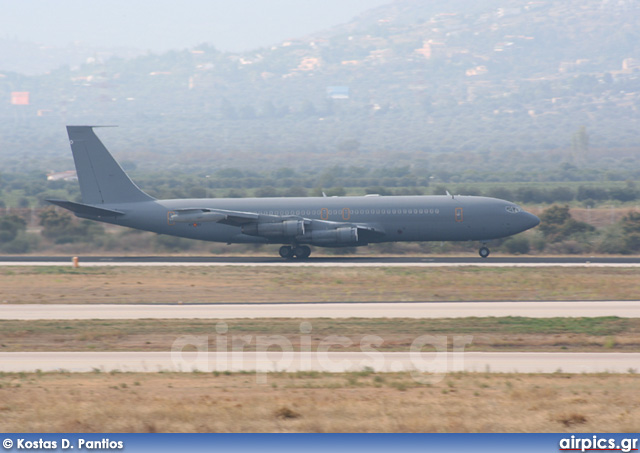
<point x="84" y="210"/>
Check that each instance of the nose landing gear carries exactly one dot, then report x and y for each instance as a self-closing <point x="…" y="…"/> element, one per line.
<point x="484" y="252"/>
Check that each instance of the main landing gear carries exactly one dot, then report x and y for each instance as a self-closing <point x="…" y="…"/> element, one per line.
<point x="299" y="251"/>
<point x="484" y="252"/>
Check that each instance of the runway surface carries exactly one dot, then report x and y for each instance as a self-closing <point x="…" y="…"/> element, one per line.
<point x="502" y="362"/>
<point x="623" y="309"/>
<point x="321" y="261"/>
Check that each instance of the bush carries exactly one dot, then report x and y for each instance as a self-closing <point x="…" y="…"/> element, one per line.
<point x="295" y="191"/>
<point x="556" y="224"/>
<point x="10" y="227"/>
<point x="532" y="195"/>
<point x="267" y="192"/>
<point x="630" y="225"/>
<point x="62" y="228"/>
<point x="569" y="247"/>
<point x="623" y="194"/>
<point x="612" y="241"/>
<point x="591" y="193"/>
<point x="379" y="190"/>
<point x="561" y="194"/>
<point x="165" y="243"/>
<point x="517" y="245"/>
<point x="501" y="193"/>
<point x="21" y="244"/>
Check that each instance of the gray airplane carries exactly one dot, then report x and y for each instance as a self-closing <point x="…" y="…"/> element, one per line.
<point x="108" y="195"/>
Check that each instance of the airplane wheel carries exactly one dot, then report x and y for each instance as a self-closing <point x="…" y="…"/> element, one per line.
<point x="286" y="252"/>
<point x="484" y="252"/>
<point x="302" y="252"/>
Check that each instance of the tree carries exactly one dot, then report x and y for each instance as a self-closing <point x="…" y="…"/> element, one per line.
<point x="591" y="193"/>
<point x="55" y="223"/>
<point x="12" y="235"/>
<point x="63" y="229"/>
<point x="267" y="192"/>
<point x="627" y="193"/>
<point x="580" y="145"/>
<point x="10" y="227"/>
<point x="556" y="224"/>
<point x="295" y="191"/>
<point x="631" y="232"/>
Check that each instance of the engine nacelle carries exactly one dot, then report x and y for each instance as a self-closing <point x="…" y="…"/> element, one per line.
<point x="339" y="236"/>
<point x="288" y="228"/>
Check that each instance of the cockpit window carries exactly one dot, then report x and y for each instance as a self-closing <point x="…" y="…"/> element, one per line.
<point x="513" y="209"/>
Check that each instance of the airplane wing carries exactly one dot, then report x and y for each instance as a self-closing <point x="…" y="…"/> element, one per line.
<point x="369" y="233"/>
<point x="272" y="226"/>
<point x="239" y="218"/>
<point x="370" y="229"/>
<point x="200" y="215"/>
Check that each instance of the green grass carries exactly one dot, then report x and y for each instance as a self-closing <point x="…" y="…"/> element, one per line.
<point x="494" y="334"/>
<point x="602" y="326"/>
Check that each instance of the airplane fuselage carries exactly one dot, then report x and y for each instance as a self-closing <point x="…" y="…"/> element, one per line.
<point x="407" y="218"/>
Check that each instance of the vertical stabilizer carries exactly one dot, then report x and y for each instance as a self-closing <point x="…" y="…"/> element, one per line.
<point x="101" y="178"/>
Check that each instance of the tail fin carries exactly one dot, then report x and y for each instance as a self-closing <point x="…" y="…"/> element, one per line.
<point x="101" y="178"/>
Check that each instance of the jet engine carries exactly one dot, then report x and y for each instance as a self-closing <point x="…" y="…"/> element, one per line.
<point x="338" y="236"/>
<point x="288" y="228"/>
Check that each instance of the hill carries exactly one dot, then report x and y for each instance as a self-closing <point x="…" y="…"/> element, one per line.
<point x="407" y="82"/>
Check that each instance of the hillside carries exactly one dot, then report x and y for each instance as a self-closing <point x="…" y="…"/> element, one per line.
<point x="404" y="82"/>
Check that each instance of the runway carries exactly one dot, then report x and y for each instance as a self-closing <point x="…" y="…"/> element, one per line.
<point x="333" y="362"/>
<point x="533" y="309"/>
<point x="90" y="261"/>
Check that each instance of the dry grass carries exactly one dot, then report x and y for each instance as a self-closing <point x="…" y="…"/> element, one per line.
<point x="293" y="284"/>
<point x="489" y="334"/>
<point x="315" y="402"/>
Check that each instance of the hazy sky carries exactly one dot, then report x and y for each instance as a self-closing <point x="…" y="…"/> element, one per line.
<point x="169" y="24"/>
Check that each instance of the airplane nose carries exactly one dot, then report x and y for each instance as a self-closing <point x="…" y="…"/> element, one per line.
<point x="531" y="220"/>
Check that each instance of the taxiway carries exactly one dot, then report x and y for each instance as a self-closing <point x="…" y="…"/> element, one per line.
<point x="333" y="362"/>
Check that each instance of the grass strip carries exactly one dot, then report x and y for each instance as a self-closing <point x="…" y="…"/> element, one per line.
<point x="605" y="334"/>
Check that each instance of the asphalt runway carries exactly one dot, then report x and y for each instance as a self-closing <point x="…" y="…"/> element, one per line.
<point x="334" y="362"/>
<point x="321" y="261"/>
<point x="530" y="309"/>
